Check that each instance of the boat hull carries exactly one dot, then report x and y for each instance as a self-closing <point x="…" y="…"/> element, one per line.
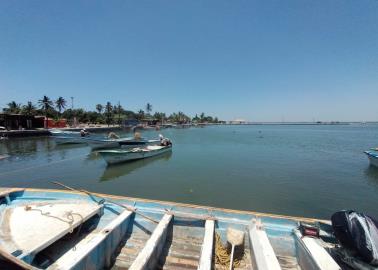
<point x="70" y="140"/>
<point x="98" y="144"/>
<point x="113" y="157"/>
<point x="163" y="232"/>
<point x="373" y="158"/>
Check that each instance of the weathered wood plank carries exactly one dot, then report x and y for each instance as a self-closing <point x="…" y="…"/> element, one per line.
<point x="207" y="246"/>
<point x="264" y="256"/>
<point x="148" y="257"/>
<point x="75" y="258"/>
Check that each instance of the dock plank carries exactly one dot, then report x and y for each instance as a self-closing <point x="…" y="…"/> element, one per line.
<point x="148" y="257"/>
<point x="265" y="258"/>
<point x="207" y="247"/>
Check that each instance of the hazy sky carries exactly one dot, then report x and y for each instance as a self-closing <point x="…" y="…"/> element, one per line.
<point x="295" y="60"/>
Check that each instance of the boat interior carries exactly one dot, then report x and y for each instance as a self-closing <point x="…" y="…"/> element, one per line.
<point x="52" y="229"/>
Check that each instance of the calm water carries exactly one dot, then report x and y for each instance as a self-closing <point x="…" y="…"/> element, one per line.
<point x="295" y="170"/>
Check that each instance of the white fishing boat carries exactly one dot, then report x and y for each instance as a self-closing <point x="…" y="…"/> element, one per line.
<point x="120" y="155"/>
<point x="128" y="142"/>
<point x="65" y="133"/>
<point x="70" y="137"/>
<point x="96" y="144"/>
<point x="373" y="157"/>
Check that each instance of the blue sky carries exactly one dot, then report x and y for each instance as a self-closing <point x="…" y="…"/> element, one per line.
<point x="258" y="60"/>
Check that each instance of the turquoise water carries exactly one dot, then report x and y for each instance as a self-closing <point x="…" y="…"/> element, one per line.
<point x="307" y="171"/>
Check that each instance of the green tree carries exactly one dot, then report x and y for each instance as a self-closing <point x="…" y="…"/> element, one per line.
<point x="160" y="116"/>
<point x="119" y="110"/>
<point x="109" y="113"/>
<point x="13" y="107"/>
<point x="45" y="104"/>
<point x="195" y="118"/>
<point x="140" y="115"/>
<point x="99" y="108"/>
<point x="148" y="108"/>
<point x="29" y="109"/>
<point x="60" y="104"/>
<point x="202" y="117"/>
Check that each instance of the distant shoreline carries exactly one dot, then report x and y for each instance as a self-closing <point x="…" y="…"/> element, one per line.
<point x="299" y="123"/>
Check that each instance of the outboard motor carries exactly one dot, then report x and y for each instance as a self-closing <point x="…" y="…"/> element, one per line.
<point x="358" y="233"/>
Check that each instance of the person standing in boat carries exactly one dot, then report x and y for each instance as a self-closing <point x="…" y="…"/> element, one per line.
<point x="84" y="132"/>
<point x="164" y="141"/>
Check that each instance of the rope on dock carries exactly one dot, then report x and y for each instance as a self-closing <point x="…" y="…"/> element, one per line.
<point x="222" y="255"/>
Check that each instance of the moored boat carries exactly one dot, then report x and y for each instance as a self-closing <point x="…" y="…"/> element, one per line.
<point x="121" y="155"/>
<point x="96" y="143"/>
<point x="55" y="229"/>
<point x="373" y="157"/>
<point x="70" y="137"/>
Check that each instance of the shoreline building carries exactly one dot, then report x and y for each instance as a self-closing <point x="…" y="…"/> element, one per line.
<point x="238" y="122"/>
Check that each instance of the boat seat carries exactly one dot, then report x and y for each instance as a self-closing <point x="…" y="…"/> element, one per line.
<point x="97" y="248"/>
<point x="148" y="257"/>
<point x="313" y="255"/>
<point x="264" y="257"/>
<point x="28" y="229"/>
<point x="207" y="246"/>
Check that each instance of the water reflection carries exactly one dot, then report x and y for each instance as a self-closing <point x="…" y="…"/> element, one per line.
<point x="372" y="174"/>
<point x="118" y="170"/>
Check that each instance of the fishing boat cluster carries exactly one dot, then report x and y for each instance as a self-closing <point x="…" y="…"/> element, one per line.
<point x="114" y="149"/>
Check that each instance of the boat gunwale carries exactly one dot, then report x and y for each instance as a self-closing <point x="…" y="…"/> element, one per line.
<point x="371" y="154"/>
<point x="122" y="151"/>
<point x="179" y="204"/>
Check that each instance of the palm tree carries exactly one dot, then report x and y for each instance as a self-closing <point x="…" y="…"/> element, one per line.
<point x="99" y="108"/>
<point x="60" y="104"/>
<point x="108" y="112"/>
<point x="160" y="116"/>
<point x="13" y="107"/>
<point x="119" y="111"/>
<point x="202" y="117"/>
<point x="140" y="114"/>
<point x="29" y="109"/>
<point x="149" y="108"/>
<point x="45" y="104"/>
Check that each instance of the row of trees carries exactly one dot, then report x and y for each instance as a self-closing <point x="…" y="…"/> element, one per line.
<point x="108" y="113"/>
<point x="46" y="106"/>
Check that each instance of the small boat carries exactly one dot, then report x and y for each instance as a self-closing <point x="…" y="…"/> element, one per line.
<point x="4" y="156"/>
<point x="79" y="230"/>
<point x="373" y="157"/>
<point x="97" y="144"/>
<point x="120" y="155"/>
<point x="68" y="137"/>
<point x="71" y="139"/>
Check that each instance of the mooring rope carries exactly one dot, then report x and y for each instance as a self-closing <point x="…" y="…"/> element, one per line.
<point x="222" y="255"/>
<point x="70" y="219"/>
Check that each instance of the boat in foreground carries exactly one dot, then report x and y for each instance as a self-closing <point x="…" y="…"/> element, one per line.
<point x="58" y="229"/>
<point x="121" y="155"/>
<point x="373" y="157"/>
